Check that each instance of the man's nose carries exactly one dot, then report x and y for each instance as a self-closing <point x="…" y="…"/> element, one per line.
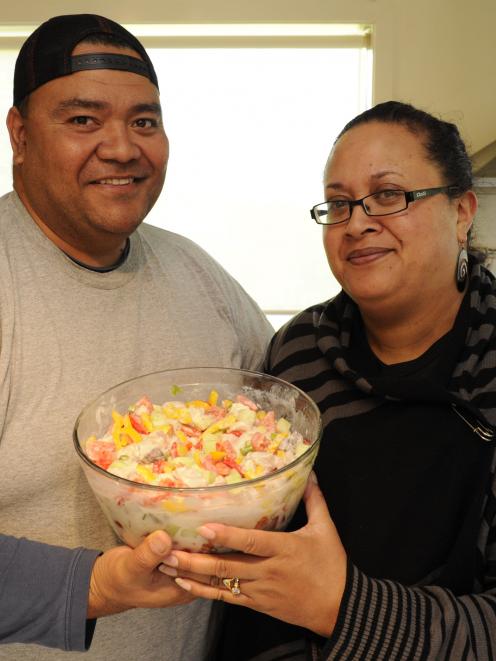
<point x="118" y="144"/>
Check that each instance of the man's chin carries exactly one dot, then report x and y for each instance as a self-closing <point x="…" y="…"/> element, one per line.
<point x="114" y="223"/>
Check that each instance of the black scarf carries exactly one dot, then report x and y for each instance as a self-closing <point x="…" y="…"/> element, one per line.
<point x="472" y="384"/>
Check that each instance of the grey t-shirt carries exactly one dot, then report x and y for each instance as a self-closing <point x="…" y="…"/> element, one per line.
<point x="67" y="334"/>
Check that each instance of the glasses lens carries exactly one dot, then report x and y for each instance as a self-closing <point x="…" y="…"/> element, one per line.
<point x="331" y="212"/>
<point x="385" y="201"/>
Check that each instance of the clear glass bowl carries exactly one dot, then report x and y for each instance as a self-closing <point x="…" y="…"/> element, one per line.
<point x="268" y="502"/>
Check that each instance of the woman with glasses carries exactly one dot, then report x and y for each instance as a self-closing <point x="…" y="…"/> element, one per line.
<point x="395" y="557"/>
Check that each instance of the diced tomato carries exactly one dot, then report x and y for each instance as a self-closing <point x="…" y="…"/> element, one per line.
<point x="222" y="468"/>
<point x="137" y="424"/>
<point x="232" y="464"/>
<point x="101" y="452"/>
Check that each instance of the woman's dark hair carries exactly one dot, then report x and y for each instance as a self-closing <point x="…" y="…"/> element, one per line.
<point x="442" y="140"/>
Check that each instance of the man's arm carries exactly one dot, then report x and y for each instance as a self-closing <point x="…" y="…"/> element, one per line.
<point x="44" y="594"/>
<point x="51" y="595"/>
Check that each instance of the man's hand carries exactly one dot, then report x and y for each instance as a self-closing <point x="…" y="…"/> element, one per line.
<point x="125" y="578"/>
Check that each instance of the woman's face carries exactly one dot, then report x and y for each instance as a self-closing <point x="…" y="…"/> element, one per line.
<point x="406" y="257"/>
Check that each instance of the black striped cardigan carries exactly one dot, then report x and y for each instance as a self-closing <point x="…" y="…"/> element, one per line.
<point x="382" y="619"/>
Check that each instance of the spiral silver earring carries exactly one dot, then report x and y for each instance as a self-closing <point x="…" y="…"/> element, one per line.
<point x="461" y="275"/>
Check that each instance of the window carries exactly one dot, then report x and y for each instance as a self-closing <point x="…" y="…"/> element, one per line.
<point x="251" y="113"/>
<point x="7" y="61"/>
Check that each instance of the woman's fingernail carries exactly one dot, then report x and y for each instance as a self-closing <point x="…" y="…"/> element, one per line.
<point x="171" y="561"/>
<point x="208" y="533"/>
<point x="313" y="477"/>
<point x="169" y="571"/>
<point x="183" y="584"/>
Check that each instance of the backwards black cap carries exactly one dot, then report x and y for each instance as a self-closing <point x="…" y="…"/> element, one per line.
<point x="46" y="54"/>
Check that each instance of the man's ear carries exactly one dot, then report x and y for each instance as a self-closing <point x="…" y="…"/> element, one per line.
<point x="467" y="207"/>
<point x="17" y="133"/>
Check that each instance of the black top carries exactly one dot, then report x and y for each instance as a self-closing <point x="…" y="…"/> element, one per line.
<point x="400" y="524"/>
<point x="416" y="524"/>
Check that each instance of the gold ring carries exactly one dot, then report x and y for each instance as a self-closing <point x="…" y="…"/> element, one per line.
<point x="232" y="584"/>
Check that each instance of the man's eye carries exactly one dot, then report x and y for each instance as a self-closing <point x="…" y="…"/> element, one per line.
<point x="81" y="120"/>
<point x="146" y="123"/>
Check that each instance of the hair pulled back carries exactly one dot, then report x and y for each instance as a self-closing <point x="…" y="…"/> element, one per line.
<point x="442" y="141"/>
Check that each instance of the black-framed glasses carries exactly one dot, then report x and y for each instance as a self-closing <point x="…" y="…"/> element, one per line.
<point x="383" y="203"/>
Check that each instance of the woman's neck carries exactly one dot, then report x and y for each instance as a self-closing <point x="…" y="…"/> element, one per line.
<point x="399" y="337"/>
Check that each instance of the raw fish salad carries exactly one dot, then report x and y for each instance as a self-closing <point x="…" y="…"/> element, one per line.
<point x="195" y="443"/>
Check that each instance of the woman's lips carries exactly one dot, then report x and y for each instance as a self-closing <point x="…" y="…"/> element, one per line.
<point x="367" y="255"/>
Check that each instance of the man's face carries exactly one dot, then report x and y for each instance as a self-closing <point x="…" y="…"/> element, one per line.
<point x="92" y="156"/>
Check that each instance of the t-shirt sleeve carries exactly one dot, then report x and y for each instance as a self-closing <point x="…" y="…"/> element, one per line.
<point x="250" y="324"/>
<point x="253" y="329"/>
<point x="44" y="594"/>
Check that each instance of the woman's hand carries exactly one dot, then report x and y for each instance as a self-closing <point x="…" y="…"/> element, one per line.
<point x="125" y="578"/>
<point x="298" y="577"/>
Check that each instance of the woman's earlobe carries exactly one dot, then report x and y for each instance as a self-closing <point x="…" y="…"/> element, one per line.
<point x="467" y="208"/>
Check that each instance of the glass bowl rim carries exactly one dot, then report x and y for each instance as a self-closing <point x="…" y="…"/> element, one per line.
<point x="157" y="488"/>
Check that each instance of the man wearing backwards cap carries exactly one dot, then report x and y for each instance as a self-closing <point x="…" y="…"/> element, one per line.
<point x="89" y="297"/>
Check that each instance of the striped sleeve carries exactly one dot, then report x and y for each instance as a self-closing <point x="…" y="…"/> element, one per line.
<point x="385" y="621"/>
